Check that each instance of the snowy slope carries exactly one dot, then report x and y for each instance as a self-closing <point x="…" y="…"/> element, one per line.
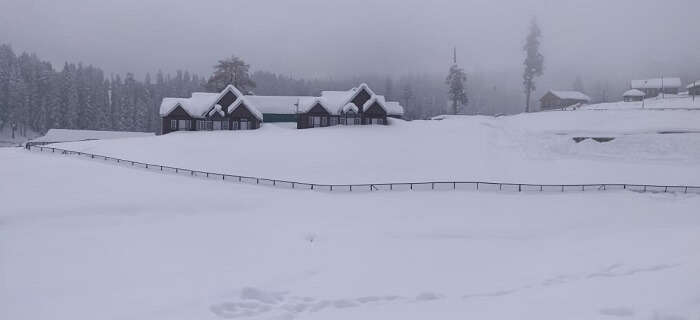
<point x="66" y="135"/>
<point x="104" y="242"/>
<point x="528" y="148"/>
<point x="668" y="101"/>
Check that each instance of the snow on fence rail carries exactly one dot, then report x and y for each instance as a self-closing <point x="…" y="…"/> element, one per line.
<point x="429" y="185"/>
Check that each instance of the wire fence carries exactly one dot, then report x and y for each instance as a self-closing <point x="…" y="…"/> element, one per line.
<point x="396" y="186"/>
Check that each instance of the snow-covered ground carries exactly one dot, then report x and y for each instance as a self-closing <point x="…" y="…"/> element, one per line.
<point x="668" y="101"/>
<point x="66" y="135"/>
<point x="527" y="148"/>
<point x="84" y="239"/>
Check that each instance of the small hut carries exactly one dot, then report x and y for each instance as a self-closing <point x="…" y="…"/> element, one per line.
<point x="694" y="88"/>
<point x="633" y="95"/>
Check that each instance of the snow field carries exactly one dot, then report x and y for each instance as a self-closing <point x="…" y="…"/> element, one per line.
<point x="531" y="148"/>
<point x="130" y="244"/>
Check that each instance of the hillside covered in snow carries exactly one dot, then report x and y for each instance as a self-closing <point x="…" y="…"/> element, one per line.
<point x="653" y="147"/>
<point x="88" y="239"/>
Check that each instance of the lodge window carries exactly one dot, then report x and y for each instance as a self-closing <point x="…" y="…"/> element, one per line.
<point x="334" y="121"/>
<point x="315" y="121"/>
<point x="208" y="125"/>
<point x="216" y="125"/>
<point x="173" y="124"/>
<point x="236" y="125"/>
<point x="324" y="121"/>
<point x="201" y="125"/>
<point x="244" y="124"/>
<point x="224" y="125"/>
<point x="183" y="125"/>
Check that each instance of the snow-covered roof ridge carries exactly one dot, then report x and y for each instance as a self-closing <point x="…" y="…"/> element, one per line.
<point x="656" y="83"/>
<point x="196" y="106"/>
<point x="217" y="109"/>
<point x="251" y="107"/>
<point x="374" y="99"/>
<point x="350" y="107"/>
<point x="306" y="105"/>
<point x="633" y="93"/>
<point x="573" y="95"/>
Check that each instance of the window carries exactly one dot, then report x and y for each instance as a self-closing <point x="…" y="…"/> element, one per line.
<point x="324" y="121"/>
<point x="244" y="124"/>
<point x="236" y="125"/>
<point x="216" y="125"/>
<point x="201" y="125"/>
<point x="183" y="125"/>
<point x="315" y="121"/>
<point x="224" y="125"/>
<point x="208" y="125"/>
<point x="377" y="121"/>
<point x="173" y="124"/>
<point x="334" y="121"/>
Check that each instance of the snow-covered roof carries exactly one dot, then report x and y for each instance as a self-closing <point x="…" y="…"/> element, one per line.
<point x="350" y="107"/>
<point x="633" y="93"/>
<point x="656" y="83"/>
<point x="276" y="104"/>
<point x="693" y="84"/>
<point x="196" y="106"/>
<point x="570" y="95"/>
<point x="251" y="107"/>
<point x="375" y="99"/>
<point x="306" y="104"/>
<point x="394" y="108"/>
<point x="69" y="135"/>
<point x="203" y="104"/>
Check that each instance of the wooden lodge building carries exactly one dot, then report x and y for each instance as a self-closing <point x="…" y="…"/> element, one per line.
<point x="231" y="110"/>
<point x="633" y="95"/>
<point x="654" y="87"/>
<point x="562" y="99"/>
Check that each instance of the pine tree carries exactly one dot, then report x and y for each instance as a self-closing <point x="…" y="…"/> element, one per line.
<point x="534" y="62"/>
<point x="231" y="71"/>
<point x="456" y="82"/>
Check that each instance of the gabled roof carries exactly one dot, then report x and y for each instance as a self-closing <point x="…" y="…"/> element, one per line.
<point x="196" y="106"/>
<point x="633" y="93"/>
<point x="306" y="104"/>
<point x="372" y="101"/>
<point x="355" y="91"/>
<point x="350" y="107"/>
<point x="570" y="95"/>
<point x="251" y="107"/>
<point x="656" y="83"/>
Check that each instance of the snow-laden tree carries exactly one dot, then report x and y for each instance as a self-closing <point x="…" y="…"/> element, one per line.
<point x="456" y="83"/>
<point x="534" y="61"/>
<point x="231" y="71"/>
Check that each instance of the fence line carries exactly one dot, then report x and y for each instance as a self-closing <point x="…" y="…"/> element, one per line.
<point x="395" y="186"/>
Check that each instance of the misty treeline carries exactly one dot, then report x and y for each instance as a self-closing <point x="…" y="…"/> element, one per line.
<point x="37" y="96"/>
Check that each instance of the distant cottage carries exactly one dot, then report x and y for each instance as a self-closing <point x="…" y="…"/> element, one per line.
<point x="562" y="99"/>
<point x="654" y="87"/>
<point x="633" y="95"/>
<point x="694" y="88"/>
<point x="231" y="110"/>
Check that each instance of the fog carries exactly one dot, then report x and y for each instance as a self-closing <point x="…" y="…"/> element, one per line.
<point x="610" y="40"/>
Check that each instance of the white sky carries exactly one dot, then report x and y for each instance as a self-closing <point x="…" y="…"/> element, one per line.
<point x="338" y="37"/>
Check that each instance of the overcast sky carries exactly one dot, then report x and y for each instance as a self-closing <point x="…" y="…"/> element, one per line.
<point x="350" y="37"/>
